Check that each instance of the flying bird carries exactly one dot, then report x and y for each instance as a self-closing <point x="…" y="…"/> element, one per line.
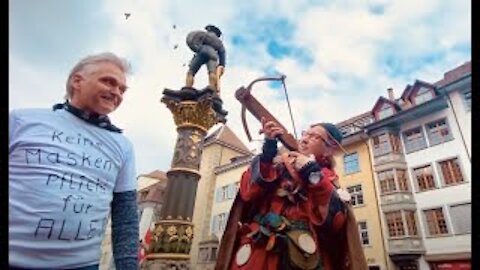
<point x="175" y="46"/>
<point x="127" y="15"/>
<point x="174" y="26"/>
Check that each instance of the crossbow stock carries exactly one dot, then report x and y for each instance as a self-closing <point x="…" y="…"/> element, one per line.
<point x="251" y="104"/>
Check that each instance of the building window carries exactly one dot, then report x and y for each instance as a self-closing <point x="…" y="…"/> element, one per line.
<point x="395" y="141"/>
<point x="402" y="180"/>
<point x="439" y="132"/>
<point x="350" y="163"/>
<point x="381" y="145"/>
<point x="213" y="255"/>
<point x="461" y="216"/>
<point x="387" y="182"/>
<point x="357" y="194"/>
<point x="226" y="192"/>
<point x="411" y="223"/>
<point x="219" y="222"/>
<point x="232" y="191"/>
<point x="219" y="194"/>
<point x="386" y="143"/>
<point x="414" y="140"/>
<point x="408" y="265"/>
<point x="436" y="223"/>
<point x="363" y="230"/>
<point x="203" y="255"/>
<point x="385" y="112"/>
<point x="424" y="177"/>
<point x="395" y="224"/>
<point x="144" y="194"/>
<point x="467" y="100"/>
<point x="423" y="95"/>
<point x="451" y="172"/>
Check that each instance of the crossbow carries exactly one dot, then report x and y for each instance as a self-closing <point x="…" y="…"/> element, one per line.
<point x="250" y="103"/>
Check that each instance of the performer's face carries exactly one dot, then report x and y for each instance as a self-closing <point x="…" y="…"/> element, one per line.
<point x="316" y="141"/>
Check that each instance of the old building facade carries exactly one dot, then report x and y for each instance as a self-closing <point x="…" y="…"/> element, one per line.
<point x="220" y="147"/>
<point x="355" y="171"/>
<point x="407" y="168"/>
<point x="422" y="165"/>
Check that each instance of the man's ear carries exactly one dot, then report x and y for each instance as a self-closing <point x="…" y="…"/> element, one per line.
<point x="77" y="78"/>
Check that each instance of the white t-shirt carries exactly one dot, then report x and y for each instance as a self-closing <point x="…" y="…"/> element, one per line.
<point x="62" y="175"/>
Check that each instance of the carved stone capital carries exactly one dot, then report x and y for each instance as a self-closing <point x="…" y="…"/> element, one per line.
<point x="196" y="113"/>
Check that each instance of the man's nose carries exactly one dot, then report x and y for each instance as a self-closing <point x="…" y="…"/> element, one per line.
<point x="116" y="90"/>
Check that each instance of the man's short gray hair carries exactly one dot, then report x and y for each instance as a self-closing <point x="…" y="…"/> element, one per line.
<point x="93" y="60"/>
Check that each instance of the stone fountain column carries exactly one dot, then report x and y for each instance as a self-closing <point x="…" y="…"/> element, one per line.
<point x="194" y="112"/>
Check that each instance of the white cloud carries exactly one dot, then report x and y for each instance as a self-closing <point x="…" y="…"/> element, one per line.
<point x="28" y="83"/>
<point x="349" y="45"/>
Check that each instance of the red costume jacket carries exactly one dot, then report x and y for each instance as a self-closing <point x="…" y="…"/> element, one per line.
<point x="280" y="221"/>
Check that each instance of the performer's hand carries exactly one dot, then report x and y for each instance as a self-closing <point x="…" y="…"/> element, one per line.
<point x="299" y="160"/>
<point x="220" y="70"/>
<point x="270" y="129"/>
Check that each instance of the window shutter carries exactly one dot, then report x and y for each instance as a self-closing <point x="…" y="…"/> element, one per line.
<point x="231" y="191"/>
<point x="218" y="195"/>
<point x="462" y="218"/>
<point x="215" y="224"/>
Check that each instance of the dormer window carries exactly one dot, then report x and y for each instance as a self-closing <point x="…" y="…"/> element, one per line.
<point x="385" y="112"/>
<point x="423" y="95"/>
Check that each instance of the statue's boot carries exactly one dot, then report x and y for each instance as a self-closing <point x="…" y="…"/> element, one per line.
<point x="212" y="81"/>
<point x="189" y="80"/>
<point x="217" y="81"/>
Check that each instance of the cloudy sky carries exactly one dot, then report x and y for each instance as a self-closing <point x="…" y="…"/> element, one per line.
<point x="338" y="56"/>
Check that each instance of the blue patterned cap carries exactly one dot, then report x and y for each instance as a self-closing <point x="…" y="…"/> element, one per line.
<point x="333" y="131"/>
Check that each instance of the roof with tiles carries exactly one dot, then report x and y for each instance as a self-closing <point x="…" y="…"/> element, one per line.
<point x="154" y="193"/>
<point x="234" y="163"/>
<point x="157" y="174"/>
<point x="354" y="124"/>
<point x="455" y="74"/>
<point x="226" y="136"/>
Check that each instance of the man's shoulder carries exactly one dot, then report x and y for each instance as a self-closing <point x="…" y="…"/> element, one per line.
<point x="124" y="140"/>
<point x="31" y="112"/>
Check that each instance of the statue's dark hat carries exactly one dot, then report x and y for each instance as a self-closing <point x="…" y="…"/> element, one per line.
<point x="213" y="28"/>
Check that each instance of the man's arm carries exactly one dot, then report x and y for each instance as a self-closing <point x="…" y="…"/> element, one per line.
<point x="261" y="175"/>
<point x="125" y="230"/>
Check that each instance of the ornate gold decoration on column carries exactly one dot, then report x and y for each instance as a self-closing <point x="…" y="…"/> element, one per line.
<point x="172" y="237"/>
<point x="197" y="114"/>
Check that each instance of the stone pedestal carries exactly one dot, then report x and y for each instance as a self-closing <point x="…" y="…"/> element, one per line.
<point x="194" y="112"/>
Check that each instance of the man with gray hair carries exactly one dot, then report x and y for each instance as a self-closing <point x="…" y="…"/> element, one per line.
<point x="69" y="168"/>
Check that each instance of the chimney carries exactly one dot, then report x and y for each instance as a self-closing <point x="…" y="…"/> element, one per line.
<point x="391" y="95"/>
